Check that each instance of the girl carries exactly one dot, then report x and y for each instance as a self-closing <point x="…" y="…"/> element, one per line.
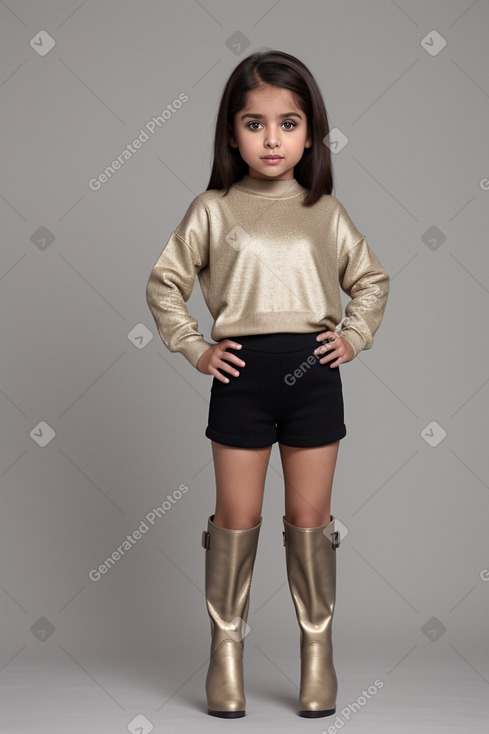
<point x="271" y="248"/>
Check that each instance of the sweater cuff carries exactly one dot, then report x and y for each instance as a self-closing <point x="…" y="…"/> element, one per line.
<point x="194" y="349"/>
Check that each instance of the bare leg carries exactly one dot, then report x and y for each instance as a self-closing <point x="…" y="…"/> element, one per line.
<point x="308" y="480"/>
<point x="240" y="483"/>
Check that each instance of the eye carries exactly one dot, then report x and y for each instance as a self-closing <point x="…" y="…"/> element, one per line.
<point x="254" y="122"/>
<point x="289" y="122"/>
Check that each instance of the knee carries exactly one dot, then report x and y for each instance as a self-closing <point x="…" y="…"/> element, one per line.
<point x="236" y="522"/>
<point x="307" y="519"/>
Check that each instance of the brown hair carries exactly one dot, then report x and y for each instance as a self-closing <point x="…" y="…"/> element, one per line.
<point x="314" y="171"/>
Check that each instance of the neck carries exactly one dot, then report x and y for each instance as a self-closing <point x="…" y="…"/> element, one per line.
<point x="271" y="188"/>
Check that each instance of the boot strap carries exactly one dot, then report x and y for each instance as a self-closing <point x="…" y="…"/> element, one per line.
<point x="206" y="539"/>
<point x="335" y="539"/>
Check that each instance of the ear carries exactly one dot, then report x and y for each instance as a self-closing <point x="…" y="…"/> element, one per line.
<point x="308" y="143"/>
<point x="232" y="142"/>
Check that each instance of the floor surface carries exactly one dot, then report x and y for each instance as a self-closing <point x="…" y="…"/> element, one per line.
<point x="421" y="693"/>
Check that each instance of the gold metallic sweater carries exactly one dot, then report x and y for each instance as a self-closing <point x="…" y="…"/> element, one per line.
<point x="266" y="264"/>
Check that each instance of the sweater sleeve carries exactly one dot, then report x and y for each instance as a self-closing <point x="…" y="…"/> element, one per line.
<point x="365" y="280"/>
<point x="171" y="282"/>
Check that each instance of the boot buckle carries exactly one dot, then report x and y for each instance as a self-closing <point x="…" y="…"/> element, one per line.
<point x="284" y="537"/>
<point x="335" y="539"/>
<point x="206" y="539"/>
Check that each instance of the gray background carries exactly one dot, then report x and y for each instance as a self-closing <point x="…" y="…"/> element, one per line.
<point x="80" y="353"/>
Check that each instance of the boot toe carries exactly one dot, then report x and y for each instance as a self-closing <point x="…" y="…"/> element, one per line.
<point x="224" y="682"/>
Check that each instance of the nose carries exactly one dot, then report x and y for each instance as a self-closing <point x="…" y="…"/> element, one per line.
<point x="272" y="139"/>
<point x="272" y="143"/>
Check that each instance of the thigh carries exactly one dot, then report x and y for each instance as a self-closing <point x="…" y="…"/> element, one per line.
<point x="240" y="483"/>
<point x="308" y="482"/>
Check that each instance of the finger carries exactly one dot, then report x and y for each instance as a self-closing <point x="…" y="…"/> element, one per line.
<point x="226" y="367"/>
<point x="327" y="347"/>
<point x="324" y="335"/>
<point x="335" y="362"/>
<point x="220" y="377"/>
<point x="232" y="358"/>
<point x="334" y="354"/>
<point x="323" y="348"/>
<point x="232" y="345"/>
<point x="223" y="372"/>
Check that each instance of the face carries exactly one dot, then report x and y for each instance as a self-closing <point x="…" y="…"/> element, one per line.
<point x="270" y="124"/>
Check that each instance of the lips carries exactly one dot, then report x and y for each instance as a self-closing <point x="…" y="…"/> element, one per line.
<point x="272" y="157"/>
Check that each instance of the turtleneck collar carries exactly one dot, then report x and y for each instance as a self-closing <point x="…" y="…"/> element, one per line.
<point x="270" y="188"/>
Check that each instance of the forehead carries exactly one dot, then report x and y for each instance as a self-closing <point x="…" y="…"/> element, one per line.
<point x="268" y="95"/>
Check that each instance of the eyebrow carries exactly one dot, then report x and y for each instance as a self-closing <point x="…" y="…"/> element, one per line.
<point x="260" y="117"/>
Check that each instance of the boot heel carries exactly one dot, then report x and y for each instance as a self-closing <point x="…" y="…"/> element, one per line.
<point x="227" y="714"/>
<point x="316" y="714"/>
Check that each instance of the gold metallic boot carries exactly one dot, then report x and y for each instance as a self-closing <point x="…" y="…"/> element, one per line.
<point x="229" y="560"/>
<point x="311" y="572"/>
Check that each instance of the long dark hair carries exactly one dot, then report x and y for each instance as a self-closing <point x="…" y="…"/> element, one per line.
<point x="314" y="171"/>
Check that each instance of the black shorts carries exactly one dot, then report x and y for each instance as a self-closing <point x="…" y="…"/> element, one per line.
<point x="283" y="394"/>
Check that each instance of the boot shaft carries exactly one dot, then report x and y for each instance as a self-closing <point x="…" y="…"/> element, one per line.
<point x="311" y="572"/>
<point x="229" y="563"/>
